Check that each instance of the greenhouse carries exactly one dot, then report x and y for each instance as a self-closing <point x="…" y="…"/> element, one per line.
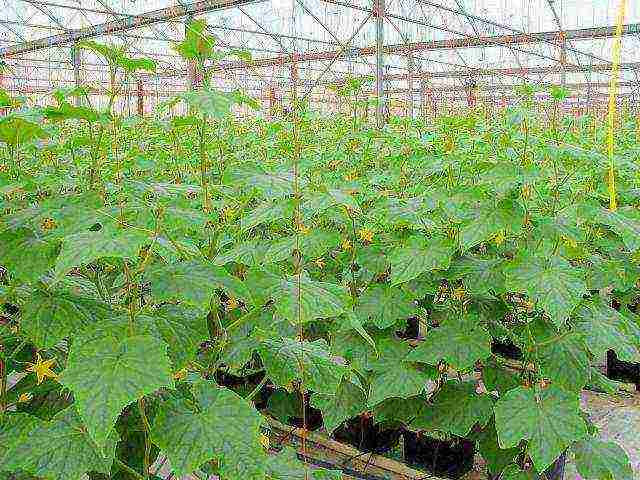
<point x="319" y="239"/>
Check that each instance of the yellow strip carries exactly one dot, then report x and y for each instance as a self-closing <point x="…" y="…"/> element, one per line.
<point x="613" y="90"/>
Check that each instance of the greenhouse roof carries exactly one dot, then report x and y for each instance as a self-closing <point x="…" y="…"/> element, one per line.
<point x="444" y="43"/>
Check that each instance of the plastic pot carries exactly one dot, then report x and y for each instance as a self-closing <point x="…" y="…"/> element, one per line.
<point x="362" y="433"/>
<point x="443" y="458"/>
<point x="621" y="370"/>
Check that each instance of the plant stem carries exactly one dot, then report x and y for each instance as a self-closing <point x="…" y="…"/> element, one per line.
<point x="128" y="469"/>
<point x="255" y="391"/>
<point x="147" y="435"/>
<point x="3" y="386"/>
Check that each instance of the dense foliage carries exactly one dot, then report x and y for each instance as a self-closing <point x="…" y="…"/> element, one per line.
<point x="143" y="258"/>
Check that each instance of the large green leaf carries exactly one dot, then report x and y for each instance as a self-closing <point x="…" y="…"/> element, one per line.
<point x="459" y="344"/>
<point x="50" y="316"/>
<point x="208" y="101"/>
<point x="600" y="460"/>
<point x="384" y="306"/>
<point x="14" y="244"/>
<point x="604" y="328"/>
<point x="625" y="222"/>
<point x="404" y="380"/>
<point x="549" y="420"/>
<point x="552" y="282"/>
<point x="193" y="282"/>
<point x="287" y="360"/>
<point x="497" y="458"/>
<point x="480" y="276"/>
<point x="348" y="402"/>
<point x="220" y="426"/>
<point x="17" y="128"/>
<point x="490" y="220"/>
<point x="107" y="371"/>
<point x="267" y="212"/>
<point x="564" y="361"/>
<point x="456" y="408"/>
<point x="300" y="299"/>
<point x="83" y="248"/>
<point x="182" y="328"/>
<point x="197" y="44"/>
<point x="420" y="255"/>
<point x="59" y="449"/>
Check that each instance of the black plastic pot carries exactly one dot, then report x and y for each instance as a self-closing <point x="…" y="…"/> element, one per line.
<point x="362" y="433"/>
<point x="554" y="472"/>
<point x="621" y="370"/>
<point x="506" y="349"/>
<point x="313" y="418"/>
<point x="443" y="458"/>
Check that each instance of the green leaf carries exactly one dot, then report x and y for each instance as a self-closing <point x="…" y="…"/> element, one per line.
<point x="17" y="128"/>
<point x="625" y="222"/>
<point x="549" y="420"/>
<point x="604" y="328"/>
<point x="490" y="220"/>
<point x="419" y="256"/>
<point x="194" y="282"/>
<point x="460" y="345"/>
<point x="349" y="401"/>
<point x="600" y="460"/>
<point x="287" y="360"/>
<point x="107" y="372"/>
<point x="497" y="458"/>
<point x="565" y="361"/>
<point x="480" y="276"/>
<point x="183" y="329"/>
<point x="13" y="244"/>
<point x="552" y="282"/>
<point x="50" y="316"/>
<point x="303" y="300"/>
<point x="456" y="408"/>
<point x="197" y="45"/>
<point x="385" y="306"/>
<point x="221" y="426"/>
<point x="83" y="248"/>
<point x="208" y="101"/>
<point x="405" y="380"/>
<point x="266" y="212"/>
<point x="59" y="449"/>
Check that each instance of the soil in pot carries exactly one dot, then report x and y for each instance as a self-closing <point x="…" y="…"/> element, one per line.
<point x="506" y="349"/>
<point x="443" y="458"/>
<point x="622" y="371"/>
<point x="362" y="433"/>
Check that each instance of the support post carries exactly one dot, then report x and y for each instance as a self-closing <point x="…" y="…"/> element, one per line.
<point x="563" y="59"/>
<point x="380" y="64"/>
<point x="192" y="67"/>
<point x="76" y="61"/>
<point x="411" y="68"/>
<point x="140" y="97"/>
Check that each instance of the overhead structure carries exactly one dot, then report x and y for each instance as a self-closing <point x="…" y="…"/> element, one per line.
<point x="419" y="53"/>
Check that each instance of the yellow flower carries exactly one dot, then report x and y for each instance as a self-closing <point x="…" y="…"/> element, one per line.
<point x="264" y="441"/>
<point x="232" y="303"/>
<point x="366" y="235"/>
<point x="180" y="374"/>
<point x="48" y="224"/>
<point x="459" y="293"/>
<point x="319" y="263"/>
<point x="42" y="369"/>
<point x="526" y="192"/>
<point x="499" y="238"/>
<point x="25" y="397"/>
<point x="303" y="229"/>
<point x="228" y="213"/>
<point x="346" y="244"/>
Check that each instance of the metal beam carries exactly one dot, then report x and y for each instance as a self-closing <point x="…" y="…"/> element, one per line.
<point x="124" y="24"/>
<point x="448" y="44"/>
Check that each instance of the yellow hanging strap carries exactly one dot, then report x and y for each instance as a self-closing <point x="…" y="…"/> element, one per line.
<point x="613" y="90"/>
